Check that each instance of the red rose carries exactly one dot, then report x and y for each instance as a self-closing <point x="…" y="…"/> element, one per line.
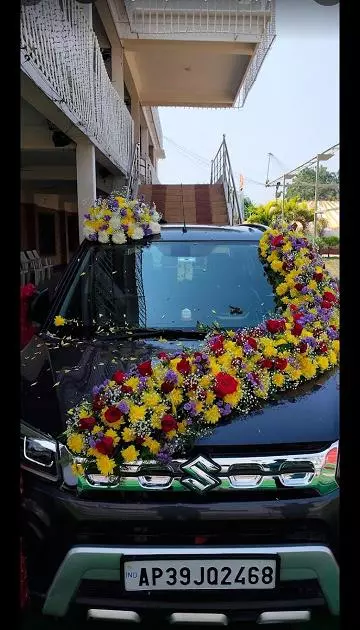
<point x="112" y="414"/>
<point x="145" y="368"/>
<point x="126" y="389"/>
<point x="277" y="241"/>
<point x="293" y="308"/>
<point x="297" y="329"/>
<point x="252" y="342"/>
<point x="322" y="347"/>
<point x="225" y="384"/>
<point x="97" y="403"/>
<point x="183" y="366"/>
<point x="105" y="446"/>
<point x="168" y="423"/>
<point x="325" y="304"/>
<point x="297" y="316"/>
<point x="287" y="265"/>
<point x="275" y="325"/>
<point x="266" y="364"/>
<point x="299" y="286"/>
<point x="329" y="297"/>
<point x="167" y="387"/>
<point x="217" y="345"/>
<point x="163" y="356"/>
<point x="281" y="364"/>
<point x="318" y="276"/>
<point x="86" y="423"/>
<point x="302" y="346"/>
<point x="139" y="441"/>
<point x="119" y="377"/>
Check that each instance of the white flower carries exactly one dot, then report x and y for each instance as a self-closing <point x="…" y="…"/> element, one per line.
<point x="88" y="232"/>
<point x="156" y="216"/>
<point x="115" y="222"/>
<point x="103" y="236"/>
<point x="138" y="233"/>
<point x="118" y="237"/>
<point x="154" y="227"/>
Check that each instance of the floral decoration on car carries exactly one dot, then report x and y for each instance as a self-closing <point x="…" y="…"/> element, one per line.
<point x="118" y="220"/>
<point x="160" y="407"/>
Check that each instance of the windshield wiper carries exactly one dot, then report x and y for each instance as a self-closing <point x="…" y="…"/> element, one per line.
<point x="146" y="333"/>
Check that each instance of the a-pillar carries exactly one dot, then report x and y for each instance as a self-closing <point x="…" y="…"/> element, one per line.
<point x="86" y="180"/>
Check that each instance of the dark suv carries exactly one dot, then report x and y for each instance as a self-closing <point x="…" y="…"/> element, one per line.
<point x="251" y="510"/>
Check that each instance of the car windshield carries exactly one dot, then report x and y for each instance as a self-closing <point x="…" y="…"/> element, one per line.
<point x="170" y="285"/>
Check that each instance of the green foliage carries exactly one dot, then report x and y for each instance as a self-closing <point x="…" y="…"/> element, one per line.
<point x="294" y="210"/>
<point x="303" y="184"/>
<point x="331" y="241"/>
<point x="321" y="226"/>
<point x="248" y="207"/>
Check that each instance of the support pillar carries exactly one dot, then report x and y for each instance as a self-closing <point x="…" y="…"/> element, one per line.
<point x="135" y="115"/>
<point x="144" y="140"/>
<point x="117" y="69"/>
<point x="86" y="180"/>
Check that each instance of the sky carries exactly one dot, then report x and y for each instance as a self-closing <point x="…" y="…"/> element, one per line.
<point x="292" y="110"/>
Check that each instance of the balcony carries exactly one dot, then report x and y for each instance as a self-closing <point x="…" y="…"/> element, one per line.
<point x="194" y="52"/>
<point x="61" y="55"/>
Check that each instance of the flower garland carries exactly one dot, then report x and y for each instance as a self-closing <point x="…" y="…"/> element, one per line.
<point x="160" y="407"/>
<point x="118" y="220"/>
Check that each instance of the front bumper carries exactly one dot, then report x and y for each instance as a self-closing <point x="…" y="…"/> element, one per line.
<point x="103" y="563"/>
<point x="74" y="545"/>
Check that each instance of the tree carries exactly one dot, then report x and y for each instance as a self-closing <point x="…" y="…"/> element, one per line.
<point x="303" y="184"/>
<point x="248" y="207"/>
<point x="294" y="210"/>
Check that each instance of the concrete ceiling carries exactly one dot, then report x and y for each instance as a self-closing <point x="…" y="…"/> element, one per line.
<point x="179" y="73"/>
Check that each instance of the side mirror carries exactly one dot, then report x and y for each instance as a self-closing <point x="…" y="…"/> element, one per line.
<point x="39" y="307"/>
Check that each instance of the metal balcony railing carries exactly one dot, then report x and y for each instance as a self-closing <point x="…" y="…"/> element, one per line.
<point x="210" y="20"/>
<point x="61" y="54"/>
<point x="221" y="172"/>
<point x="141" y="172"/>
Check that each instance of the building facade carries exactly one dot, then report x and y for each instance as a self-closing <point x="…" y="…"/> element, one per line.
<point x="92" y="76"/>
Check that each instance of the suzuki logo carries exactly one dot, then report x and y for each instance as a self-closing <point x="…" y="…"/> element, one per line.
<point x="198" y="475"/>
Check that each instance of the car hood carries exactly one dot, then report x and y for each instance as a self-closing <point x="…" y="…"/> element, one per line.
<point x="56" y="376"/>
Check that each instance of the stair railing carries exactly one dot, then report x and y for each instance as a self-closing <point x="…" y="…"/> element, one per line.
<point x="134" y="173"/>
<point x="221" y="172"/>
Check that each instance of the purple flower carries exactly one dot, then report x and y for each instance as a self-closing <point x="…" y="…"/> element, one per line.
<point x="92" y="442"/>
<point x="95" y="390"/>
<point x="332" y="334"/>
<point x="123" y="407"/>
<point x="310" y="341"/>
<point x="107" y="217"/>
<point x="147" y="231"/>
<point x="123" y="212"/>
<point x="171" y="376"/>
<point x="93" y="237"/>
<point x="86" y="216"/>
<point x="190" y="407"/>
<point x="103" y="227"/>
<point x="247" y="348"/>
<point x="226" y="410"/>
<point x="142" y="383"/>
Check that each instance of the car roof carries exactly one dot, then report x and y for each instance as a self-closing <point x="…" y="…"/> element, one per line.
<point x="171" y="232"/>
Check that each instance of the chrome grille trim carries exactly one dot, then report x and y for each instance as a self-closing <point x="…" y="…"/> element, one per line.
<point x="235" y="473"/>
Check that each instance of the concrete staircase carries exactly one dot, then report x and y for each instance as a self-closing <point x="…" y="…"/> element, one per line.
<point x="202" y="204"/>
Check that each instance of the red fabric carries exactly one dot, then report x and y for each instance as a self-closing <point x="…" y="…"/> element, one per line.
<point x="27" y="329"/>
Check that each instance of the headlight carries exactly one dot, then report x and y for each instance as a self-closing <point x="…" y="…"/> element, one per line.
<point x="39" y="453"/>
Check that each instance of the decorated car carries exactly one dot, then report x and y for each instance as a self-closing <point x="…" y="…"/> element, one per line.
<point x="184" y="389"/>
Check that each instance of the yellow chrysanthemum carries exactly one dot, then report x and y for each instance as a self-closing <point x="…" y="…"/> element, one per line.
<point x="210" y="397"/>
<point x="133" y="382"/>
<point x="212" y="415"/>
<point x="205" y="381"/>
<point x="96" y="429"/>
<point x="75" y="442"/>
<point x="111" y="433"/>
<point x="78" y="469"/>
<point x="171" y="435"/>
<point x="155" y="421"/>
<point x="181" y="428"/>
<point x="276" y="265"/>
<point x="176" y="397"/>
<point x="137" y="412"/>
<point x="59" y="320"/>
<point x="323" y="363"/>
<point x="128" y="435"/>
<point x="152" y="445"/>
<point x="199" y="406"/>
<point x="151" y="399"/>
<point x="130" y="454"/>
<point x="105" y="465"/>
<point x="278" y="380"/>
<point x="233" y="399"/>
<point x="282" y="288"/>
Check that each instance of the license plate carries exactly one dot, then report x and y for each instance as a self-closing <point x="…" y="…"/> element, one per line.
<point x="200" y="574"/>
